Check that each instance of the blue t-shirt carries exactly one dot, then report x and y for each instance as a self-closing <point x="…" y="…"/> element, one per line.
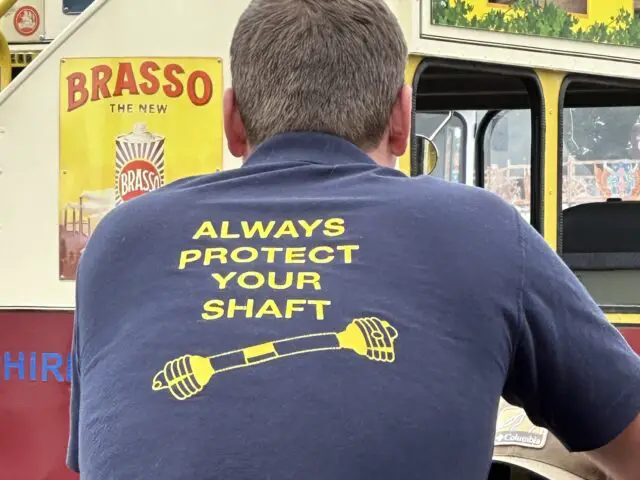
<point x="313" y="315"/>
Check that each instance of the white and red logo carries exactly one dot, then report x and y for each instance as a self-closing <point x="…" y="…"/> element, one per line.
<point x="139" y="163"/>
<point x="136" y="178"/>
<point x="26" y="21"/>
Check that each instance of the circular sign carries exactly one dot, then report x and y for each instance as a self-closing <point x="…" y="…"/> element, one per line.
<point x="26" y="21"/>
<point x="136" y="178"/>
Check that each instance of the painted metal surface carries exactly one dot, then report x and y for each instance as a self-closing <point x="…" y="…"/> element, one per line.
<point x="34" y="394"/>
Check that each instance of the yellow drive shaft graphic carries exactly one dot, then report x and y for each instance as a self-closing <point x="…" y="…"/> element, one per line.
<point x="187" y="376"/>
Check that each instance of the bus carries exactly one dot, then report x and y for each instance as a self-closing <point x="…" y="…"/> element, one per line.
<point x="547" y="119"/>
<point x="538" y="102"/>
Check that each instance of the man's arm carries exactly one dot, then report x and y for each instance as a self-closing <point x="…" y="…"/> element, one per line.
<point x="571" y="370"/>
<point x="620" y="458"/>
<point x="74" y="404"/>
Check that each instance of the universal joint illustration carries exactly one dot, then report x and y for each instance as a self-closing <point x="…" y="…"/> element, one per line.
<point x="187" y="376"/>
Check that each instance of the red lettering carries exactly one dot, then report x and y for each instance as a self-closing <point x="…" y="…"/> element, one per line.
<point x="152" y="84"/>
<point x="207" y="88"/>
<point x="100" y="76"/>
<point x="76" y="85"/>
<point x="175" y="88"/>
<point x="149" y="79"/>
<point x="126" y="80"/>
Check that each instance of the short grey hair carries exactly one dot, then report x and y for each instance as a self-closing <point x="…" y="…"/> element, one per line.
<point x="331" y="66"/>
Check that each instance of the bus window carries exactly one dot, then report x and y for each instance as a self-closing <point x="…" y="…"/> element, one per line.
<point x="601" y="154"/>
<point x="495" y="128"/>
<point x="507" y="153"/>
<point x="598" y="228"/>
<point x="74" y="7"/>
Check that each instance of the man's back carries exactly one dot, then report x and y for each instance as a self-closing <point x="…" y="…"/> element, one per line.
<point x="322" y="256"/>
<point x="311" y="315"/>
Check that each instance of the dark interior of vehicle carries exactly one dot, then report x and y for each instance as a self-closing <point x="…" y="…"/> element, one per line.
<point x="506" y="472"/>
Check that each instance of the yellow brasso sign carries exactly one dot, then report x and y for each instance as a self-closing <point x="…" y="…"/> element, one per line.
<point x="129" y="126"/>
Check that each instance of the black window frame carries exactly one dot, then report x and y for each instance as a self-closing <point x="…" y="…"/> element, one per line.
<point x="536" y="104"/>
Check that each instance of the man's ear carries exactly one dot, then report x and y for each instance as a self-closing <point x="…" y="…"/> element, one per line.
<point x="233" y="125"/>
<point x="400" y="124"/>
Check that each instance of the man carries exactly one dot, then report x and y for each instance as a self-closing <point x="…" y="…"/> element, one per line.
<point x="316" y="314"/>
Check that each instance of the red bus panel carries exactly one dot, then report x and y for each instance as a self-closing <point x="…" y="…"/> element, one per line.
<point x="34" y="395"/>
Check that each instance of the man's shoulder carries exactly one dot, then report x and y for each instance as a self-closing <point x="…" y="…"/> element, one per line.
<point x="428" y="200"/>
<point x="143" y="217"/>
<point x="155" y="203"/>
<point x="456" y="202"/>
<point x="442" y="190"/>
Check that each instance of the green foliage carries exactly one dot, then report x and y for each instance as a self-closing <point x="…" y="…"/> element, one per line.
<point x="531" y="17"/>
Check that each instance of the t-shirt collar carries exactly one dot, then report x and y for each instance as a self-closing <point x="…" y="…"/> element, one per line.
<point x="317" y="148"/>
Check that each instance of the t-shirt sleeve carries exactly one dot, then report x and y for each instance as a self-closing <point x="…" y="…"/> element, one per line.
<point x="571" y="370"/>
<point x="74" y="404"/>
